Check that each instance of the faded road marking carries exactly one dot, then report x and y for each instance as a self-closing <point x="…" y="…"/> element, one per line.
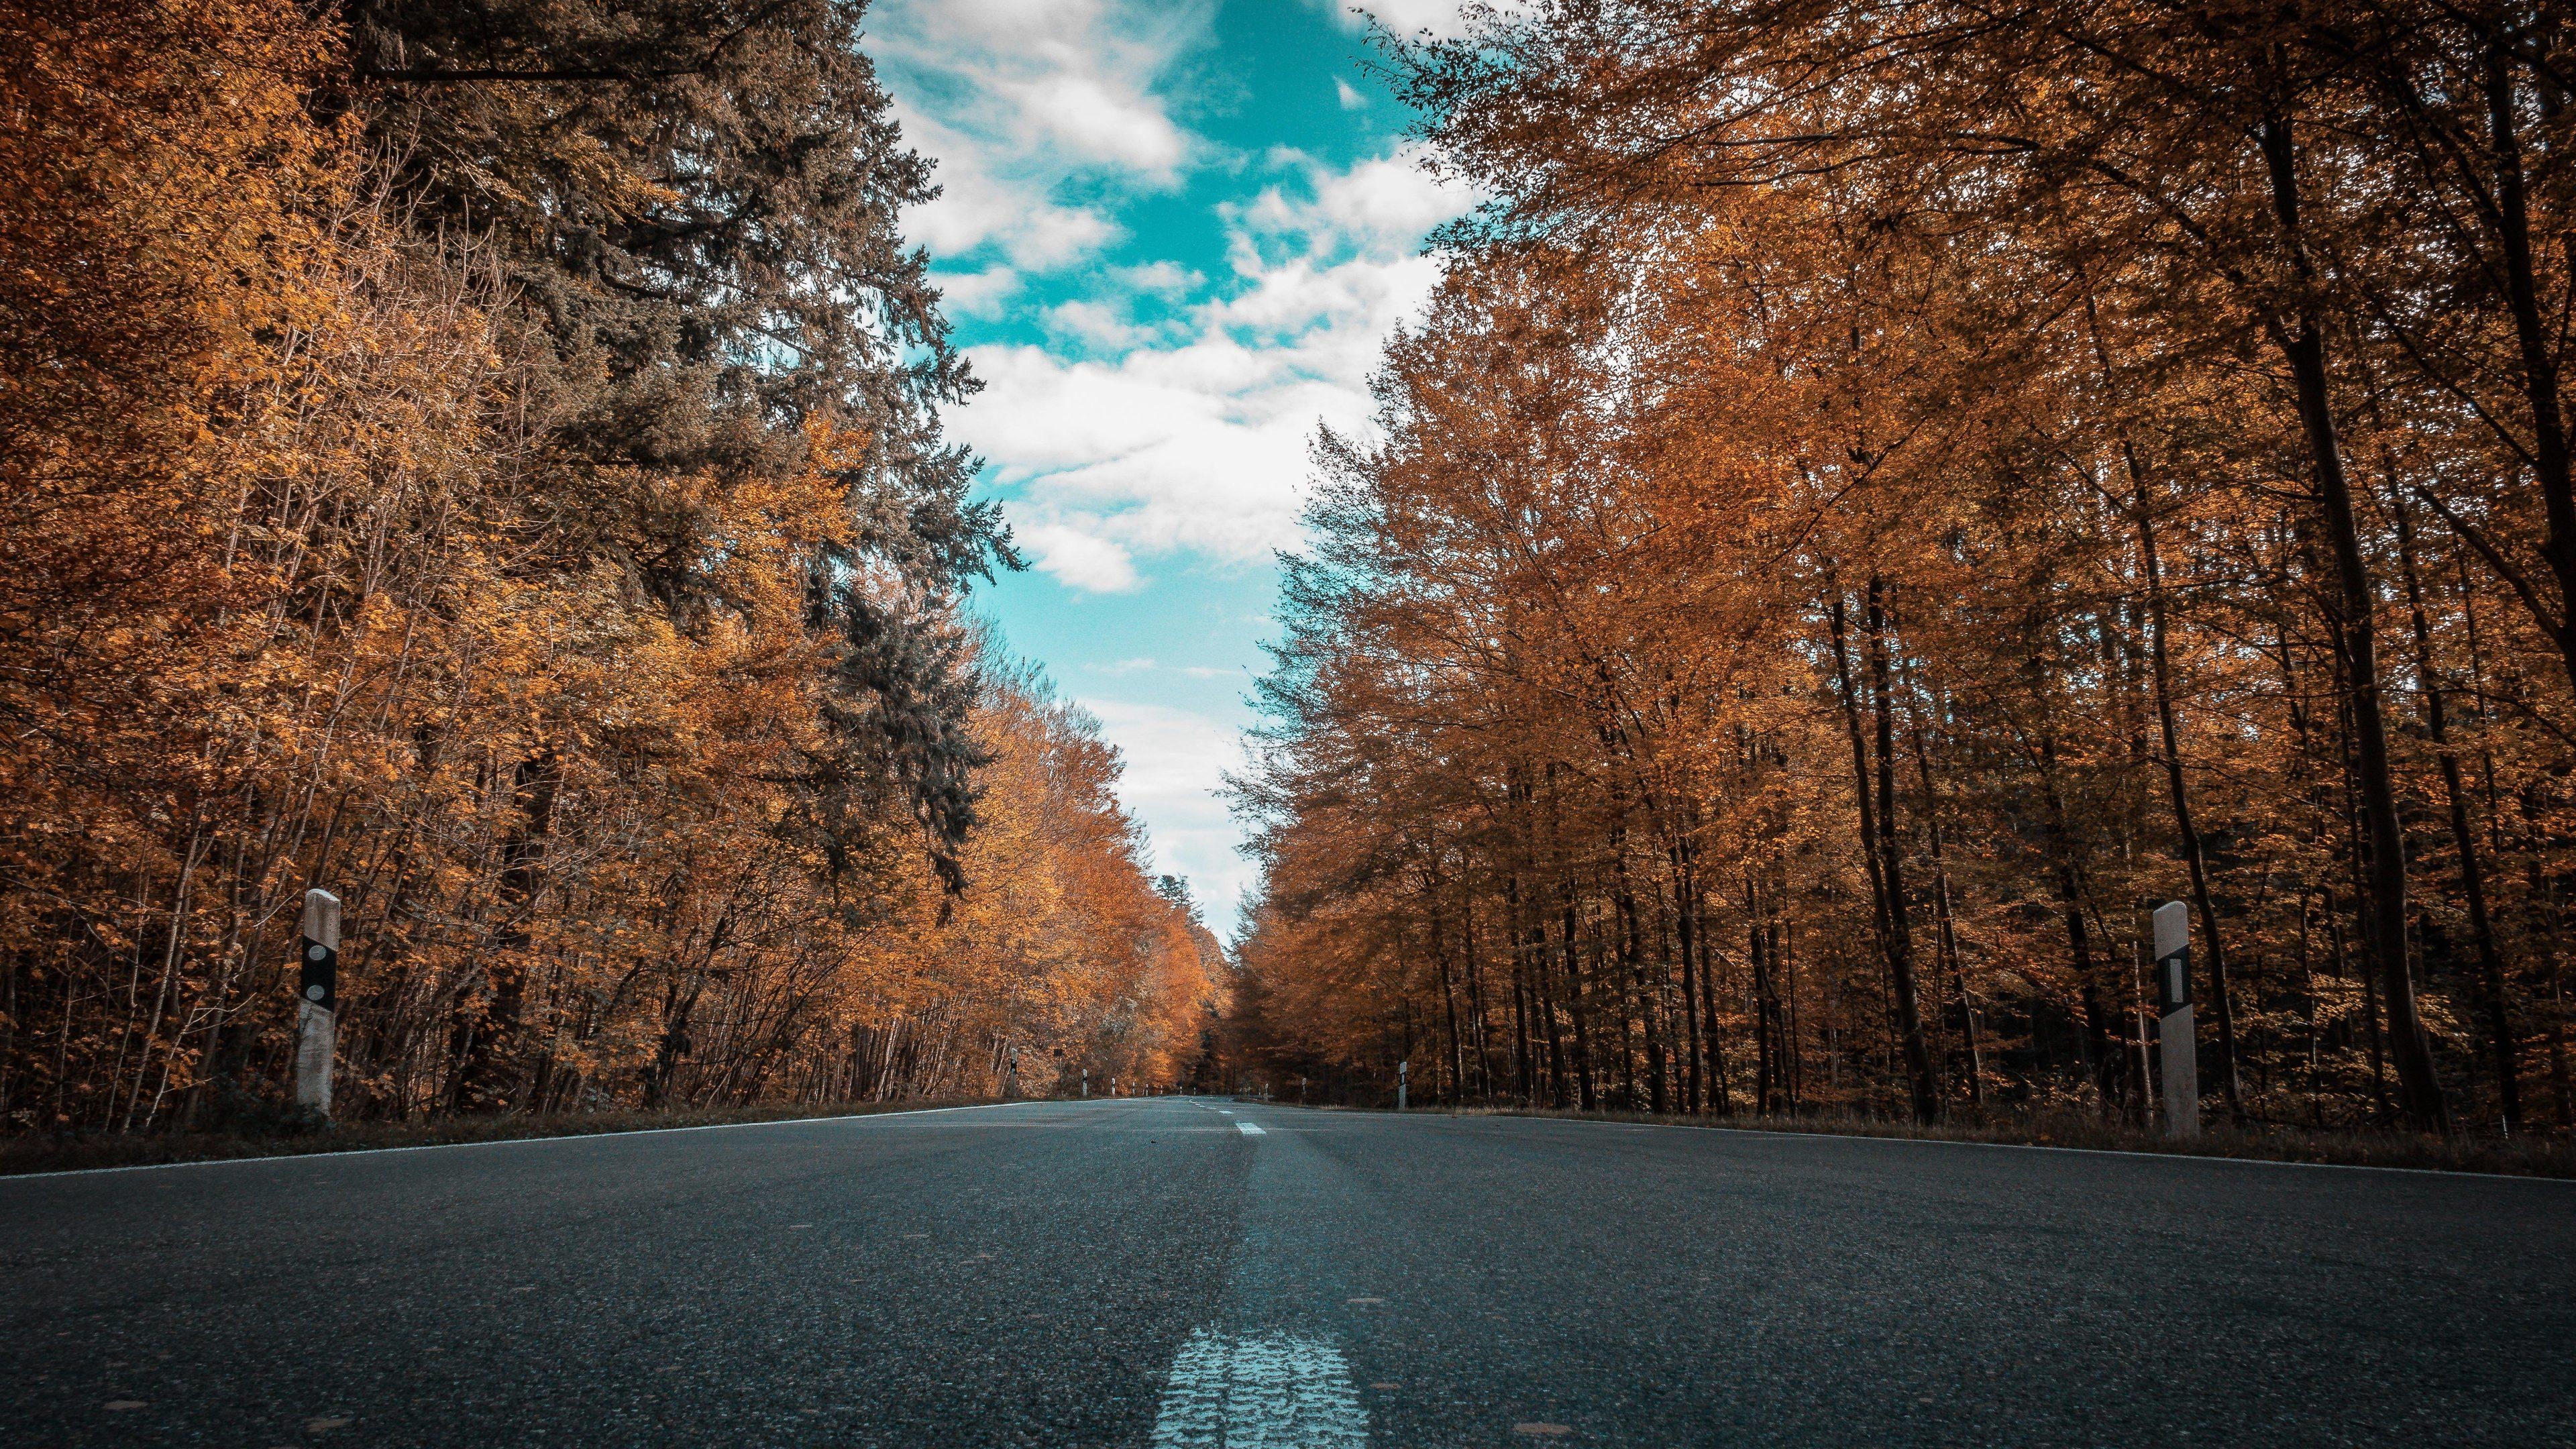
<point x="1259" y="1391"/>
<point x="1248" y="1130"/>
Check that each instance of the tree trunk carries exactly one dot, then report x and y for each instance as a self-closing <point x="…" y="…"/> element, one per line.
<point x="2538" y="340"/>
<point x="2302" y="342"/>
<point x="1919" y="1069"/>
<point x="2491" y="970"/>
<point x="2186" y="830"/>
<point x="482" y="1038"/>
<point x="1877" y="839"/>
<point x="1693" y="1098"/>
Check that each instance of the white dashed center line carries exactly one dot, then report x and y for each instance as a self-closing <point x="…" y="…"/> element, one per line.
<point x="1259" y="1391"/>
<point x="1248" y="1130"/>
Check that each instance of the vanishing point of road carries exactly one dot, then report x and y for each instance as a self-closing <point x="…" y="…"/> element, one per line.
<point x="1200" y="1272"/>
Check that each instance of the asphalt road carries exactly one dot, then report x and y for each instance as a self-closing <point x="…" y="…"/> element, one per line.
<point x="1149" y="1272"/>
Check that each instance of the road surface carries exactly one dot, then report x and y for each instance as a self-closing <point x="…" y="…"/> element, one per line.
<point x="1200" y="1272"/>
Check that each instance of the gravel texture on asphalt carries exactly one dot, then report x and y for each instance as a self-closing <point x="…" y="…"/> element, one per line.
<point x="1045" y="1273"/>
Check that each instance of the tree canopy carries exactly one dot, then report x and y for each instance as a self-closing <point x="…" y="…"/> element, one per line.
<point x="486" y="461"/>
<point x="1885" y="496"/>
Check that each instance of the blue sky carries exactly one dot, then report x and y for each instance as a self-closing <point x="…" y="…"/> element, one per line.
<point x="1173" y="238"/>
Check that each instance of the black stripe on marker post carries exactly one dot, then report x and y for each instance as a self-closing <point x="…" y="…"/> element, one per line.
<point x="321" y="980"/>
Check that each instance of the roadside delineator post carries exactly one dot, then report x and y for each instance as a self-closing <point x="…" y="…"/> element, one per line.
<point x="317" y="1003"/>
<point x="1401" y="1068"/>
<point x="1086" y="1083"/>
<point x="2176" y="1043"/>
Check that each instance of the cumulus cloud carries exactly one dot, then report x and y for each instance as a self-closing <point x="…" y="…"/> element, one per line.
<point x="1175" y="760"/>
<point x="1199" y="443"/>
<point x="1166" y="279"/>
<point x="1377" y="206"/>
<point x="1092" y="325"/>
<point x="1017" y="98"/>
<point x="977" y="294"/>
<point x="1091" y="122"/>
<point x="1201" y="446"/>
<point x="1079" y="559"/>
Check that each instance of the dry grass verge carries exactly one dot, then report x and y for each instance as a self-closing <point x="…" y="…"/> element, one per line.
<point x="72" y="1153"/>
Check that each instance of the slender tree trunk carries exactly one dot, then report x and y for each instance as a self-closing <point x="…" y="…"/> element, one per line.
<point x="2543" y="897"/>
<point x="1762" y="1048"/>
<point x="1577" y="1002"/>
<point x="2186" y="831"/>
<point x="2491" y="969"/>
<point x="1449" y="1009"/>
<point x="1919" y="1069"/>
<point x="1544" y="999"/>
<point x="2538" y="340"/>
<point x="2099" y="1032"/>
<point x="2350" y="615"/>
<point x="1877" y="837"/>
<point x="1693" y="1098"/>
<point x="482" y="1076"/>
<point x="1524" y="1068"/>
<point x="1475" y="994"/>
<point x="1789" y="982"/>
<point x="1944" y="923"/>
<point x="1632" y="959"/>
<point x="1721" y="1098"/>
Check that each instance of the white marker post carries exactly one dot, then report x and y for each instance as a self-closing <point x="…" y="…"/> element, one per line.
<point x="2176" y="1043"/>
<point x="317" y="1003"/>
<point x="1401" y="1068"/>
<point x="1086" y="1084"/>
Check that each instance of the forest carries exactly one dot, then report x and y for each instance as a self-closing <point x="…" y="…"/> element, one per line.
<point x="1886" y="495"/>
<point x="486" y="461"/>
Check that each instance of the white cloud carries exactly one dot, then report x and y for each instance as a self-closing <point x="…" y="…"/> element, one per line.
<point x="1199" y="447"/>
<point x="1200" y="444"/>
<point x="1176" y="762"/>
<point x="1350" y="98"/>
<point x="1166" y="279"/>
<point x="1018" y="98"/>
<point x="1096" y="325"/>
<point x="977" y="294"/>
<point x="1404" y="17"/>
<point x="980" y="205"/>
<point x="1082" y="560"/>
<point x="1093" y="123"/>
<point x="1381" y="205"/>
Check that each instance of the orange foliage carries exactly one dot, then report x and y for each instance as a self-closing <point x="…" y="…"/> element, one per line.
<point x="1863" y="522"/>
<point x="301" y="595"/>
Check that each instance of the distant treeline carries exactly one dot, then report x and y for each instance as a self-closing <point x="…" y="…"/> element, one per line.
<point x="486" y="461"/>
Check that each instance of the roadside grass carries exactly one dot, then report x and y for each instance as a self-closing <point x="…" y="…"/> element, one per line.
<point x="66" y="1152"/>
<point x="2525" y="1156"/>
